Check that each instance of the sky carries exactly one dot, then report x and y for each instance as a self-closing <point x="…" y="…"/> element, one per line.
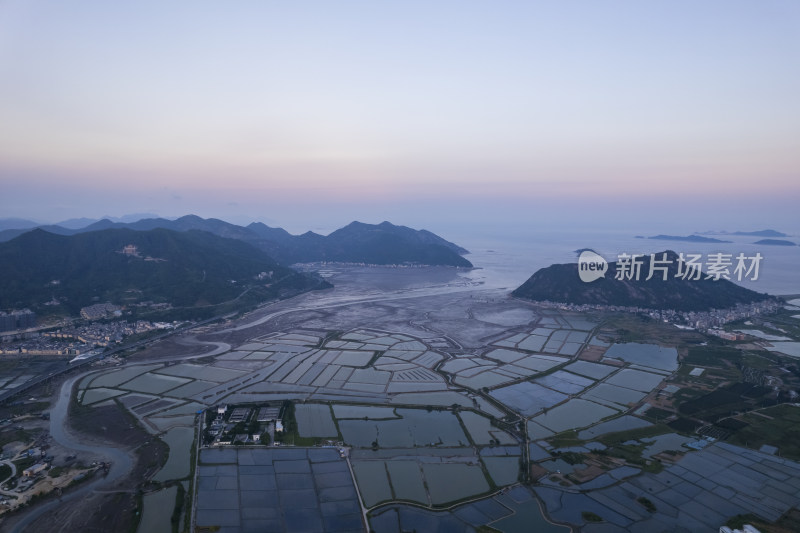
<point x="677" y="115"/>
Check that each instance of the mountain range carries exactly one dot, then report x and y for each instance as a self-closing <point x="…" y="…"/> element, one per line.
<point x="379" y="244"/>
<point x="191" y="269"/>
<point x="561" y="283"/>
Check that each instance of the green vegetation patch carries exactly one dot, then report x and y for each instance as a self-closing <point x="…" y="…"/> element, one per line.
<point x="565" y="439"/>
<point x="683" y="425"/>
<point x="712" y="356"/>
<point x="650" y="506"/>
<point x="14" y="435"/>
<point x="573" y="458"/>
<point x="721" y="402"/>
<point x="782" y="430"/>
<point x="658" y="414"/>
<point x="618" y="437"/>
<point x="24" y="463"/>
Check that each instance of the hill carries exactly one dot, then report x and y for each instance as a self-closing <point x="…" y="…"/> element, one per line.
<point x="381" y="244"/>
<point x="561" y="283"/>
<point x="185" y="269"/>
<point x="11" y="233"/>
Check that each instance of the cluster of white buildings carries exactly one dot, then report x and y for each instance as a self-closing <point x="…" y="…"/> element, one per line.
<point x="221" y="429"/>
<point x="99" y="311"/>
<point x="701" y="320"/>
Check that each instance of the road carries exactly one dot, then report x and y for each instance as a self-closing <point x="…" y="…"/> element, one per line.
<point x="13" y="473"/>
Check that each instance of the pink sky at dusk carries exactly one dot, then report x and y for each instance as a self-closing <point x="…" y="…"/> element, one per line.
<point x="360" y="108"/>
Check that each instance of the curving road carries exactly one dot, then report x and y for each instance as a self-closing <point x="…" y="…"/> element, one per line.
<point x="13" y="468"/>
<point x="121" y="461"/>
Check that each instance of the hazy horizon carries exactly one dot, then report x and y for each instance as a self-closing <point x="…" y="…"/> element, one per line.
<point x="498" y="226"/>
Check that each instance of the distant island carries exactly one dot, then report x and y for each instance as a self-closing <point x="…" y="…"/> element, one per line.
<point x="775" y="242"/>
<point x="759" y="233"/>
<point x="687" y="238"/>
<point x="561" y="283"/>
<point x="375" y="244"/>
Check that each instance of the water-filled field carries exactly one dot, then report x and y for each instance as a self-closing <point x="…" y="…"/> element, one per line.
<point x="164" y="423"/>
<point x="592" y="370"/>
<point x="189" y="408"/>
<point x="208" y="373"/>
<point x="761" y="335"/>
<point x="791" y="349"/>
<point x="315" y="420"/>
<point x="407" y="482"/>
<point x="484" y="379"/>
<point x="505" y="356"/>
<point x="635" y="379"/>
<point x="539" y="363"/>
<point x="482" y="431"/>
<point x="528" y="398"/>
<point x="373" y="482"/>
<point x="441" y="399"/>
<point x="369" y="376"/>
<point x="533" y="343"/>
<point x="191" y="389"/>
<point x="565" y="382"/>
<point x="180" y="441"/>
<point x="650" y="355"/>
<point x="363" y="411"/>
<point x="503" y="470"/>
<point x="278" y="489"/>
<point x="536" y="431"/>
<point x="157" y="405"/>
<point x="154" y="383"/>
<point x="605" y="393"/>
<point x="118" y="377"/>
<point x="417" y="427"/>
<point x="352" y="358"/>
<point x="95" y="395"/>
<point x="132" y="400"/>
<point x="448" y="482"/>
<point x="157" y="511"/>
<point x="576" y="413"/>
